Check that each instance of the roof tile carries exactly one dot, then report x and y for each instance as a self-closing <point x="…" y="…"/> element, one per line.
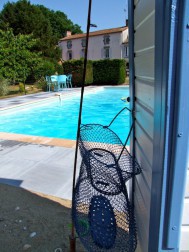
<point x="96" y="33"/>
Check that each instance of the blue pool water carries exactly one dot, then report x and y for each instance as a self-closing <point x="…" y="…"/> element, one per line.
<point x="57" y="120"/>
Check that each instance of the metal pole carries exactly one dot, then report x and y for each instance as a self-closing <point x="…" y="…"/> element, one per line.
<point x="72" y="236"/>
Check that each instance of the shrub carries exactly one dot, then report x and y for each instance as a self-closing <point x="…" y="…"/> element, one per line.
<point x="21" y="88"/>
<point x="75" y="67"/>
<point x="42" y="84"/>
<point x="59" y="68"/>
<point x="4" y="87"/>
<point x="45" y="68"/>
<point x="109" y="71"/>
<point x="89" y="73"/>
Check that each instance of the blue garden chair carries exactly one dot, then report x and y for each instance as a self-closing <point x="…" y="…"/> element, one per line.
<point x="54" y="82"/>
<point x="48" y="80"/>
<point x="69" y="80"/>
<point x="62" y="82"/>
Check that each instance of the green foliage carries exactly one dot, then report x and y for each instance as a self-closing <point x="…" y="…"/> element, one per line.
<point x="45" y="67"/>
<point x="4" y="85"/>
<point x="46" y="25"/>
<point x="42" y="84"/>
<point x="59" y="22"/>
<point x="89" y="73"/>
<point x="59" y="69"/>
<point x="28" y="38"/>
<point x="25" y="18"/>
<point x="6" y="54"/>
<point x="75" y="67"/>
<point x="109" y="71"/>
<point x="17" y="57"/>
<point x="21" y="88"/>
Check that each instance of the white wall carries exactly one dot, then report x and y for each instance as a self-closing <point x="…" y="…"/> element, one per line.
<point x="96" y="46"/>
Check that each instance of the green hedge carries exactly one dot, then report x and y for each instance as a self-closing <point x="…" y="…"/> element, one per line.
<point x="109" y="71"/>
<point x="46" y="68"/>
<point x="75" y="67"/>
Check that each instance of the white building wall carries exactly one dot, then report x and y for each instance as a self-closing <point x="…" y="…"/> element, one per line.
<point x="125" y="35"/>
<point x="96" y="46"/>
<point x="124" y="38"/>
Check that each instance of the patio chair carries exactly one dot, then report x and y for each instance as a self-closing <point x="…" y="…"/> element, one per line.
<point x="48" y="80"/>
<point x="62" y="81"/>
<point x="54" y="82"/>
<point x="69" y="80"/>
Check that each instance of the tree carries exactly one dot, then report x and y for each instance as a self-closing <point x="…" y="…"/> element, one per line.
<point x="7" y="54"/>
<point x="17" y="57"/>
<point x="29" y="37"/>
<point x="25" y="18"/>
<point x="59" y="22"/>
<point x="46" y="25"/>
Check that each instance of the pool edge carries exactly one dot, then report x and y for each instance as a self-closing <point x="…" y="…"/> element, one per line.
<point x="38" y="140"/>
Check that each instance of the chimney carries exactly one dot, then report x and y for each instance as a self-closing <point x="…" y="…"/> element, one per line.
<point x="127" y="22"/>
<point x="68" y="33"/>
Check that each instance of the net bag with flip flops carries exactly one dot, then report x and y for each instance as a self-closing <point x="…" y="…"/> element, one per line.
<point x="102" y="214"/>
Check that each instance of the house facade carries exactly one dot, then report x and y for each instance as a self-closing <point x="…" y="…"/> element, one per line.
<point x="103" y="44"/>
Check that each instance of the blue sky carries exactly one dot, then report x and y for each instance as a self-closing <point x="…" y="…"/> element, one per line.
<point x="105" y="13"/>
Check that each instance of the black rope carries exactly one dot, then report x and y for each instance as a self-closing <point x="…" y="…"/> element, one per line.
<point x="81" y="104"/>
<point x="117" y="116"/>
<point x="132" y="127"/>
<point x="126" y="141"/>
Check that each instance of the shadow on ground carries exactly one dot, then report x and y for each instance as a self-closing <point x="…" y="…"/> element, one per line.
<point x="33" y="220"/>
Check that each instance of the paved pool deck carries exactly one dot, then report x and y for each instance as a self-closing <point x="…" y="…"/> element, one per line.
<point x="38" y="164"/>
<point x="37" y="167"/>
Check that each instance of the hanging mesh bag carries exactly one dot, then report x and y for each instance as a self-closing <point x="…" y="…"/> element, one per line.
<point x="98" y="136"/>
<point x="102" y="214"/>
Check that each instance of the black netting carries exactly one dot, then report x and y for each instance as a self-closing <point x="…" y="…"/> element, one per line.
<point x="97" y="136"/>
<point x="102" y="214"/>
<point x="103" y="221"/>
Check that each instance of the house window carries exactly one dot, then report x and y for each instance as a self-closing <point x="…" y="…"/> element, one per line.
<point x="106" y="40"/>
<point x="125" y="51"/>
<point x="69" y="55"/>
<point x="83" y="42"/>
<point x="106" y="52"/>
<point x="82" y="53"/>
<point x="69" y="44"/>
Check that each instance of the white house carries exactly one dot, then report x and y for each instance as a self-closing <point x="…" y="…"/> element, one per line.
<point x="103" y="44"/>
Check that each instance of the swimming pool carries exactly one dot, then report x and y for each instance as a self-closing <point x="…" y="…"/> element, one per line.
<point x="59" y="119"/>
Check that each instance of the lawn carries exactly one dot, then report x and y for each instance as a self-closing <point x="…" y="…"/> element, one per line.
<point x="15" y="91"/>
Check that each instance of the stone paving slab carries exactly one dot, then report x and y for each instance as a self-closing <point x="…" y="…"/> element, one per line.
<point x="13" y="168"/>
<point x="39" y="168"/>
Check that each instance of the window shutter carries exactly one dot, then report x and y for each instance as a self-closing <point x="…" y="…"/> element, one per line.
<point x="102" y="53"/>
<point x="110" y="53"/>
